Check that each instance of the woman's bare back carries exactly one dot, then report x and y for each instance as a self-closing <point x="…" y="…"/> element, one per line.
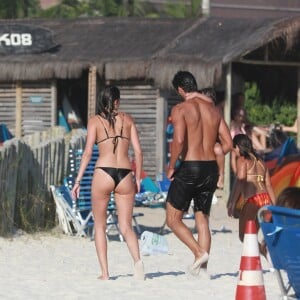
<point x="113" y="143"/>
<point x="256" y="177"/>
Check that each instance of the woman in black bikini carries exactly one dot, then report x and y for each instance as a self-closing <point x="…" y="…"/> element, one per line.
<point x="113" y="131"/>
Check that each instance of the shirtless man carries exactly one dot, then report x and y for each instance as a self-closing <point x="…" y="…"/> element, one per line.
<point x="197" y="125"/>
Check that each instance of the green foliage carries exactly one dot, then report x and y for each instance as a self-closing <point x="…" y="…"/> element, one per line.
<point x="13" y="9"/>
<point x="91" y="8"/>
<point x="94" y="8"/>
<point x="252" y="92"/>
<point x="260" y="114"/>
<point x="60" y="11"/>
<point x="287" y="114"/>
<point x="181" y="9"/>
<point x="264" y="114"/>
<point x="176" y="10"/>
<point x="35" y="213"/>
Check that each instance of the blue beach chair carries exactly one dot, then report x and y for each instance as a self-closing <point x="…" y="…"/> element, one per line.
<point x="282" y="236"/>
<point x="70" y="219"/>
<point x="83" y="204"/>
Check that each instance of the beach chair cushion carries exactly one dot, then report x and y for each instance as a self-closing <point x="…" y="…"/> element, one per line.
<point x="282" y="236"/>
<point x="148" y="185"/>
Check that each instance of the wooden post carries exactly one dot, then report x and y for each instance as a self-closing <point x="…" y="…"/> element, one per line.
<point x="298" y="108"/>
<point x="18" y="109"/>
<point x="227" y="110"/>
<point x="53" y="103"/>
<point x="92" y="91"/>
<point x="205" y="8"/>
<point x="160" y="134"/>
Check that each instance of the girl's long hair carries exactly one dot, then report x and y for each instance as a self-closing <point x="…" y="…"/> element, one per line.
<point x="245" y="145"/>
<point x="106" y="104"/>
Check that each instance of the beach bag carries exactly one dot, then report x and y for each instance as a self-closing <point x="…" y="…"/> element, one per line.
<point x="153" y="243"/>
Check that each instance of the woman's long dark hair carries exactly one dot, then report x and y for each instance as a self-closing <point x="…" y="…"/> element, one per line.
<point x="106" y="104"/>
<point x="245" y="145"/>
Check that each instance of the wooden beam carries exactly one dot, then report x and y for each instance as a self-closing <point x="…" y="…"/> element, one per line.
<point x="298" y="107"/>
<point x="18" y="131"/>
<point x="53" y="103"/>
<point x="227" y="117"/>
<point x="161" y="108"/>
<point x="92" y="91"/>
<point x="269" y="63"/>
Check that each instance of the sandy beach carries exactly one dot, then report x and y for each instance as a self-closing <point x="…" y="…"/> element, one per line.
<point x="55" y="266"/>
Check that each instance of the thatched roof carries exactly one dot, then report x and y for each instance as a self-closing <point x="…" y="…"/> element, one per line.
<point x="135" y="48"/>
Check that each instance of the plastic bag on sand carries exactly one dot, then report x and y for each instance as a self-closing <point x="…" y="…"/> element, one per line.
<point x="153" y="243"/>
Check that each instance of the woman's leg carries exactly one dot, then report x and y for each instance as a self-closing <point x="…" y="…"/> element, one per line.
<point x="100" y="198"/>
<point x="124" y="197"/>
<point x="248" y="212"/>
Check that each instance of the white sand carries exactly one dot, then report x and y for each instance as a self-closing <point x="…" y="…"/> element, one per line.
<point x="55" y="266"/>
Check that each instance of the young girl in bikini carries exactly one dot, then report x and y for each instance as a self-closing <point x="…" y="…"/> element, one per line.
<point x="253" y="182"/>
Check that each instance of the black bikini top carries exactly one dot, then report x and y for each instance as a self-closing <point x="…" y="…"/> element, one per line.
<point x="114" y="138"/>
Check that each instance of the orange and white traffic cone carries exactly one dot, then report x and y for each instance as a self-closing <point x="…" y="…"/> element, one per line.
<point x="251" y="284"/>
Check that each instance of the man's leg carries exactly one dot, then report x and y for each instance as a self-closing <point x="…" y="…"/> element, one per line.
<point x="174" y="221"/>
<point x="204" y="236"/>
<point x="202" y="226"/>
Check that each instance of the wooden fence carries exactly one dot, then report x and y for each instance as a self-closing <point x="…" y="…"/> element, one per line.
<point x="28" y="166"/>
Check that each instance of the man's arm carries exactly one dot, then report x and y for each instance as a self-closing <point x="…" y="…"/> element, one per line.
<point x="178" y="138"/>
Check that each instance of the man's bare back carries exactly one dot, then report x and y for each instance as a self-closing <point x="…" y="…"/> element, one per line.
<point x="197" y="125"/>
<point x="201" y="121"/>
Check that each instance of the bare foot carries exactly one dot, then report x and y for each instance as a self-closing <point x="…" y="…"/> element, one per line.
<point x="220" y="183"/>
<point x="102" y="277"/>
<point x="139" y="270"/>
<point x="194" y="269"/>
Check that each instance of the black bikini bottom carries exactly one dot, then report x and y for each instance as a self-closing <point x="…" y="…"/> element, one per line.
<point x="117" y="174"/>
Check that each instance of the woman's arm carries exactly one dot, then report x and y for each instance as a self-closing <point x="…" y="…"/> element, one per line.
<point x="86" y="156"/>
<point x="138" y="154"/>
<point x="234" y="196"/>
<point x="238" y="186"/>
<point x="269" y="187"/>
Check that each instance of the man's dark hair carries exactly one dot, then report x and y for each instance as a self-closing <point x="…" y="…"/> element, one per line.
<point x="209" y="92"/>
<point x="185" y="80"/>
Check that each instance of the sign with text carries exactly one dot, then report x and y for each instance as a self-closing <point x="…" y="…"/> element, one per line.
<point x="25" y="39"/>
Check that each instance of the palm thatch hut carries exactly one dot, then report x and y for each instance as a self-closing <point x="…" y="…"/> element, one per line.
<point x="43" y="61"/>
